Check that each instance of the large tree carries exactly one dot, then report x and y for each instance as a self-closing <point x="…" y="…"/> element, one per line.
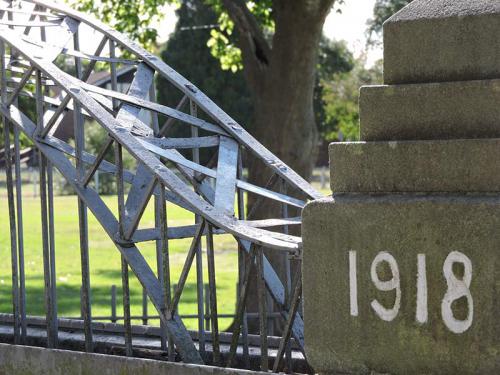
<point x="186" y="51"/>
<point x="275" y="42"/>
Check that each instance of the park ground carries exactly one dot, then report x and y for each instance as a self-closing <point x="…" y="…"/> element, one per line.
<point x="104" y="261"/>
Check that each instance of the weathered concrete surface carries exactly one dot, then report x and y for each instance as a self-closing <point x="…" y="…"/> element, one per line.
<point x="404" y="226"/>
<point x="470" y="165"/>
<point x="28" y="360"/>
<point x="449" y="110"/>
<point x="443" y="40"/>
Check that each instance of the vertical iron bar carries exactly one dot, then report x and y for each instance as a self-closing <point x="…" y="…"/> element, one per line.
<point x="82" y="313"/>
<point x="270" y="317"/>
<point x="52" y="245"/>
<point x="50" y="206"/>
<point x="213" y="295"/>
<point x="10" y="198"/>
<point x="244" y="334"/>
<point x="82" y="211"/>
<point x="20" y="235"/>
<point x="288" y="278"/>
<point x="193" y="109"/>
<point x="19" y="215"/>
<point x="262" y="294"/>
<point x="51" y="333"/>
<point x="242" y="261"/>
<point x="207" y="307"/>
<point x="126" y="308"/>
<point x="121" y="219"/>
<point x="163" y="260"/>
<point x="46" y="253"/>
<point x="162" y="256"/>
<point x="113" y="303"/>
<point x="144" y="307"/>
<point x="199" y="295"/>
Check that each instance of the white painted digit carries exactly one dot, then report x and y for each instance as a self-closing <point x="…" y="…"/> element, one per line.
<point x="422" y="312"/>
<point x="353" y="283"/>
<point x="394" y="283"/>
<point x="457" y="289"/>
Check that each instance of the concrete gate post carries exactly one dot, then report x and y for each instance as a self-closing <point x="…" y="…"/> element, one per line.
<point x="401" y="265"/>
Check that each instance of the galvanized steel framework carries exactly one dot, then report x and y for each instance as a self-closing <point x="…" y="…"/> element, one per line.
<point x="33" y="35"/>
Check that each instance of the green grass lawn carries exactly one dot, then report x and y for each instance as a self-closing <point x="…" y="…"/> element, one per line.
<point x="104" y="261"/>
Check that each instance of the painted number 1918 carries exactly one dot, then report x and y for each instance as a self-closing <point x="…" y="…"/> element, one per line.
<point x="457" y="288"/>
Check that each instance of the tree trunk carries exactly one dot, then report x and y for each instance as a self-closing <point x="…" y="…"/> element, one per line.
<point x="282" y="82"/>
<point x="283" y="99"/>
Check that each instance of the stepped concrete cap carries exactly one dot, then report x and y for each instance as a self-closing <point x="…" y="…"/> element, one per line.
<point x="443" y="40"/>
<point x="426" y="111"/>
<point x="428" y="9"/>
<point x="451" y="166"/>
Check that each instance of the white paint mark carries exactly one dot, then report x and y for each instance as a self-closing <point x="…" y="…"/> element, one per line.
<point x="422" y="312"/>
<point x="353" y="283"/>
<point x="457" y="289"/>
<point x="393" y="284"/>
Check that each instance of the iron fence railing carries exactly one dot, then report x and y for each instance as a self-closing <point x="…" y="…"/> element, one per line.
<point x="37" y="39"/>
<point x="146" y="317"/>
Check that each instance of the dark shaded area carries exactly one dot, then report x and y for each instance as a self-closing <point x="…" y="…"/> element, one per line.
<point x="68" y="297"/>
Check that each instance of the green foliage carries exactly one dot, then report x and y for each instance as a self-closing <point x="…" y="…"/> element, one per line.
<point x="220" y="41"/>
<point x="334" y="58"/>
<point x="95" y="139"/>
<point x="223" y="42"/>
<point x="186" y="51"/>
<point x="221" y="46"/>
<point x="341" y="96"/>
<point x="132" y="17"/>
<point x="382" y="10"/>
<point x="340" y="92"/>
<point x="135" y="19"/>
